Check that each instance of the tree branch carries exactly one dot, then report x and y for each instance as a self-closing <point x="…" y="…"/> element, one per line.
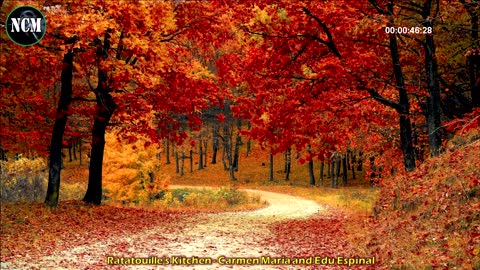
<point x="325" y="28"/>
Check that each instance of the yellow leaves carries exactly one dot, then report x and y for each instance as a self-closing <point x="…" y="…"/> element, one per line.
<point x="24" y="164"/>
<point x="127" y="170"/>
<point x="198" y="71"/>
<point x="261" y="15"/>
<point x="283" y="15"/>
<point x="308" y="72"/>
<point x="265" y="117"/>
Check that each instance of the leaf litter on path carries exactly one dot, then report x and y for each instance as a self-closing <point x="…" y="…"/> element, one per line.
<point x="234" y="234"/>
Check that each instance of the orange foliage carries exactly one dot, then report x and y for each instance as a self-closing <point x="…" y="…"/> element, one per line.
<point x="131" y="172"/>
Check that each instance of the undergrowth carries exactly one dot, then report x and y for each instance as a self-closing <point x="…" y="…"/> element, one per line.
<point x="430" y="218"/>
<point x="23" y="180"/>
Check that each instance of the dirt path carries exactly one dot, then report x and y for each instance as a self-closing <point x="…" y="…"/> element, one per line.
<point x="237" y="234"/>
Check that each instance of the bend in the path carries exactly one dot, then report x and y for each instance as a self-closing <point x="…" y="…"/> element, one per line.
<point x="231" y="234"/>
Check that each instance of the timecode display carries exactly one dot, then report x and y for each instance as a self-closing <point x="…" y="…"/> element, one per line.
<point x="409" y="30"/>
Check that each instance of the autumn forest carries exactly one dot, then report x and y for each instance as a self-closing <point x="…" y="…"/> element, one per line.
<point x="243" y="134"/>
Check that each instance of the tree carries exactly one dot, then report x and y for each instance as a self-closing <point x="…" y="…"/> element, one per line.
<point x="55" y="158"/>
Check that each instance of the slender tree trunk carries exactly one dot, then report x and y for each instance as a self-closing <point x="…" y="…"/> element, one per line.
<point x="228" y="142"/>
<point x="404" y="104"/>
<point x="177" y="161"/>
<point x="270" y="173"/>
<point x="473" y="60"/>
<point x="349" y="153"/>
<point x="70" y="153"/>
<point x="55" y="158"/>
<point x="238" y="142"/>
<point x="224" y="158"/>
<point x="337" y="169"/>
<point x="200" y="155"/>
<point x="191" y="160"/>
<point x="345" y="170"/>
<point x="353" y="160"/>
<point x="75" y="145"/>
<point x="311" y="174"/>
<point x="249" y="141"/>
<point x="332" y="172"/>
<point x="214" y="152"/>
<point x="80" y="150"/>
<point x="434" y="110"/>
<point x="288" y="163"/>
<point x="321" y="176"/>
<point x="167" y="149"/>
<point x="360" y="162"/>
<point x="205" y="147"/>
<point x="329" y="168"/>
<point x="182" y="164"/>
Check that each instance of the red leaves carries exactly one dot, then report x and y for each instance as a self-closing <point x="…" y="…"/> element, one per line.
<point x="323" y="235"/>
<point x="221" y="117"/>
<point x="27" y="229"/>
<point x="433" y="207"/>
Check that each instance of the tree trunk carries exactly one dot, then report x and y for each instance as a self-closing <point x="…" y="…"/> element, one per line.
<point x="238" y="142"/>
<point x="177" y="161"/>
<point x="167" y="149"/>
<point x="288" y="163"/>
<point x="80" y="150"/>
<point x="200" y="155"/>
<point x="322" y="168"/>
<point x="360" y="162"/>
<point x="70" y="153"/>
<point x="345" y="170"/>
<point x="311" y="174"/>
<point x="353" y="160"/>
<point x="332" y="172"/>
<point x="404" y="104"/>
<point x="270" y="173"/>
<point x="227" y="143"/>
<point x="473" y="60"/>
<point x="55" y="158"/>
<point x="94" y="189"/>
<point x="337" y="169"/>
<point x="182" y="164"/>
<point x="224" y="158"/>
<point x="249" y="141"/>
<point x="105" y="108"/>
<point x="104" y="111"/>
<point x="205" y="147"/>
<point x="329" y="168"/>
<point x="431" y="70"/>
<point x="215" y="144"/>
<point x="75" y="145"/>
<point x="191" y="160"/>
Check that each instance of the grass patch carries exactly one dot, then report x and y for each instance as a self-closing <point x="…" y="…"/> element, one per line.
<point x="208" y="200"/>
<point x="353" y="200"/>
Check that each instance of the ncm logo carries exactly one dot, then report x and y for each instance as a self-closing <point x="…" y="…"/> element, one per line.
<point x="26" y="25"/>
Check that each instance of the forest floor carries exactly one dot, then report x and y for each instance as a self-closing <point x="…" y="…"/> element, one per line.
<point x="299" y="221"/>
<point x="234" y="234"/>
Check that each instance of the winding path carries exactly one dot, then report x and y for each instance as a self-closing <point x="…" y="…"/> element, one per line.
<point x="234" y="234"/>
